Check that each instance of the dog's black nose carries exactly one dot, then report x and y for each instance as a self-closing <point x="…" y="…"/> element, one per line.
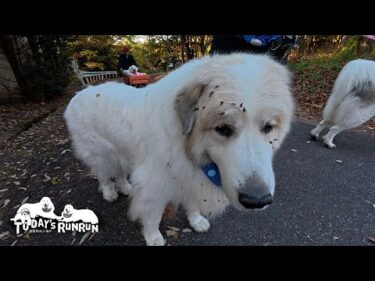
<point x="253" y="202"/>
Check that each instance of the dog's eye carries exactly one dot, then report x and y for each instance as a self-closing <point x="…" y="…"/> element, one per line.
<point x="267" y="128"/>
<point x="224" y="130"/>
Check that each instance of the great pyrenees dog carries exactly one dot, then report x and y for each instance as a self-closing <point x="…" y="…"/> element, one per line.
<point x="132" y="71"/>
<point x="352" y="101"/>
<point x="227" y="112"/>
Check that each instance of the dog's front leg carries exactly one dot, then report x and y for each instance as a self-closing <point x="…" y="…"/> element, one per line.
<point x="149" y="212"/>
<point x="151" y="230"/>
<point x="197" y="221"/>
<point x="314" y="133"/>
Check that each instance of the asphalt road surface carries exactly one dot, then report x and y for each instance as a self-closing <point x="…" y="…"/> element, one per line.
<point x="323" y="196"/>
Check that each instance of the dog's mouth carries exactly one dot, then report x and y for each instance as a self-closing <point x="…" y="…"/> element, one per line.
<point x="252" y="202"/>
<point x="67" y="215"/>
<point x="46" y="209"/>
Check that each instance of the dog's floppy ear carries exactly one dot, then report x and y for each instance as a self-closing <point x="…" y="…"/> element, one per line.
<point x="185" y="105"/>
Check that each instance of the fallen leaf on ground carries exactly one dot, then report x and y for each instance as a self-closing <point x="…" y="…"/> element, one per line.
<point x="173" y="228"/>
<point x="6" y="202"/>
<point x="92" y="236"/>
<point x="54" y="180"/>
<point x="4" y="235"/>
<point x="84" y="237"/>
<point x="171" y="232"/>
<point x="65" y="150"/>
<point x="47" y="177"/>
<point x="169" y="212"/>
<point x="24" y="200"/>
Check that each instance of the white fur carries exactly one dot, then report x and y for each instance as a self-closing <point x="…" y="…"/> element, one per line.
<point x="347" y="108"/>
<point x="132" y="71"/>
<point x="70" y="214"/>
<point x="154" y="136"/>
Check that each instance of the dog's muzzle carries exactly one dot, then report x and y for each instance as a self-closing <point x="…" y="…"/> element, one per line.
<point x="254" y="196"/>
<point x="251" y="202"/>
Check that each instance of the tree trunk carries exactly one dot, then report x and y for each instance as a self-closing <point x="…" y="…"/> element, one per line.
<point x="34" y="46"/>
<point x="358" y="45"/>
<point x="6" y="44"/>
<point x="186" y="46"/>
<point x="202" y="44"/>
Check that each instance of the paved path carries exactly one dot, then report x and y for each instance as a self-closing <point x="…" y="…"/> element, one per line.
<point x="318" y="201"/>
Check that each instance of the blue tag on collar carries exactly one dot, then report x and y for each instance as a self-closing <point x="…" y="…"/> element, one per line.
<point x="213" y="174"/>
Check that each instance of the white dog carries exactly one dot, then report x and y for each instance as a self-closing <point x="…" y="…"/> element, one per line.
<point x="232" y="111"/>
<point x="28" y="211"/>
<point x="73" y="215"/>
<point x="132" y="71"/>
<point x="352" y="101"/>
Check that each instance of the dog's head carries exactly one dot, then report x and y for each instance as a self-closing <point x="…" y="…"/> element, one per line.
<point x="47" y="205"/>
<point x="68" y="211"/>
<point x="25" y="213"/>
<point x="236" y="113"/>
<point x="133" y="69"/>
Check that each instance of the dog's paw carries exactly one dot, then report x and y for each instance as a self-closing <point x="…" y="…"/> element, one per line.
<point x="110" y="195"/>
<point x="200" y="224"/>
<point x="125" y="188"/>
<point x="313" y="136"/>
<point x="155" y="240"/>
<point x="330" y="145"/>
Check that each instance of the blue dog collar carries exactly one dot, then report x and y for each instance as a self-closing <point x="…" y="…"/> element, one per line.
<point x="213" y="174"/>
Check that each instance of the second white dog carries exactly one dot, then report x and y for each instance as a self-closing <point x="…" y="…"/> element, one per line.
<point x="352" y="101"/>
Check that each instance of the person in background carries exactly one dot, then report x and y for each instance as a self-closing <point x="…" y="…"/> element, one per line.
<point x="126" y="60"/>
<point x="274" y="45"/>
